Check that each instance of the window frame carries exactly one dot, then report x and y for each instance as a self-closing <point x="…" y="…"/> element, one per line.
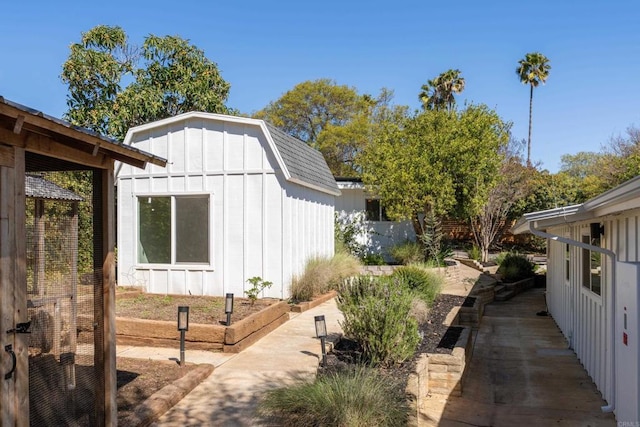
<point x="381" y="211"/>
<point x="587" y="262"/>
<point x="173" y="227"/>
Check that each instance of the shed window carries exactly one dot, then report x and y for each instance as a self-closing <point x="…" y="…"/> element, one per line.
<point x="567" y="262"/>
<point x="375" y="210"/>
<point x="591" y="266"/>
<point x="173" y="229"/>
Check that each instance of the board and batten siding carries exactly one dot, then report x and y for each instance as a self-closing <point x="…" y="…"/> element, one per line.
<point x="583" y="316"/>
<point x="260" y="224"/>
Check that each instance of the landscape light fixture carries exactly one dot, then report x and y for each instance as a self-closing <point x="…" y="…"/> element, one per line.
<point x="321" y="332"/>
<point x="228" y="307"/>
<point x="183" y="326"/>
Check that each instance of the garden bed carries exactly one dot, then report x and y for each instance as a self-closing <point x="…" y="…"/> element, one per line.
<point x="303" y="306"/>
<point x="213" y="337"/>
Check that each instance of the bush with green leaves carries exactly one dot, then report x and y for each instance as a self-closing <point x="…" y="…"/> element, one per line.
<point x="349" y="229"/>
<point x="373" y="259"/>
<point x="426" y="284"/>
<point x="435" y="246"/>
<point x="322" y="274"/>
<point x="257" y="285"/>
<point x="376" y="315"/>
<point x="408" y="252"/>
<point x="516" y="267"/>
<point x="353" y="397"/>
<point x="475" y="253"/>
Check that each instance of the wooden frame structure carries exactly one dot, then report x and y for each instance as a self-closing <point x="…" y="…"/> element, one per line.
<point x="25" y="132"/>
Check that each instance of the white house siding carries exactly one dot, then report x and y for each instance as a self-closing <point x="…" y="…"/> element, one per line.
<point x="379" y="236"/>
<point x="583" y="316"/>
<point x="261" y="224"/>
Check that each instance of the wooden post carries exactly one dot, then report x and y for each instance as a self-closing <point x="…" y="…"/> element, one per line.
<point x="39" y="263"/>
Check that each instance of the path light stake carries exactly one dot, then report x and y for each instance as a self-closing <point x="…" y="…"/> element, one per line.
<point x="228" y="307"/>
<point x="183" y="326"/>
<point x="321" y="332"/>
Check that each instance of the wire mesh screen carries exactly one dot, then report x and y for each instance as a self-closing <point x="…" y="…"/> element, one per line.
<point x="62" y="285"/>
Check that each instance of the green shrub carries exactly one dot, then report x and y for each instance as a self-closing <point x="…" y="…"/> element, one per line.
<point x="373" y="259"/>
<point x="348" y="398"/>
<point x="475" y="253"/>
<point x="376" y="315"/>
<point x="322" y="274"/>
<point x="516" y="267"/>
<point x="408" y="252"/>
<point x="425" y="283"/>
<point x="257" y="286"/>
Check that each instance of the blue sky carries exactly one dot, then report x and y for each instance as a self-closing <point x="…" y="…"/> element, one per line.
<point x="265" y="48"/>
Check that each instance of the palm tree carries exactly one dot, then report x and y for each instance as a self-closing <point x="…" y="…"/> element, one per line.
<point x="533" y="70"/>
<point x="438" y="92"/>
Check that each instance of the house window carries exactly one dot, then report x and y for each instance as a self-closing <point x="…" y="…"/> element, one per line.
<point x="173" y="229"/>
<point x="375" y="210"/>
<point x="591" y="266"/>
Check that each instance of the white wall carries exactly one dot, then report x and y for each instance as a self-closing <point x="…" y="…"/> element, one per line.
<point x="260" y="225"/>
<point x="586" y="319"/>
<point x="379" y="236"/>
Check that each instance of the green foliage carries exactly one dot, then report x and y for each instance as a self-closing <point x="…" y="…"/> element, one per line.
<point x="475" y="253"/>
<point x="258" y="285"/>
<point x="347" y="398"/>
<point x="332" y="118"/>
<point x="373" y="259"/>
<point x="167" y="76"/>
<point x="425" y="283"/>
<point x="322" y="274"/>
<point x="533" y="70"/>
<point x="347" y="231"/>
<point x="437" y="94"/>
<point x="432" y="239"/>
<point x="409" y="252"/>
<point x="376" y="315"/>
<point x="438" y="161"/>
<point x="516" y="267"/>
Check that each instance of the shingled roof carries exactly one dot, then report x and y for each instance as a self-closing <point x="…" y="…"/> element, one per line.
<point x="39" y="188"/>
<point x="299" y="162"/>
<point x="303" y="162"/>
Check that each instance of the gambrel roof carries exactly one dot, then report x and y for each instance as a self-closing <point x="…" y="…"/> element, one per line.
<point x="299" y="162"/>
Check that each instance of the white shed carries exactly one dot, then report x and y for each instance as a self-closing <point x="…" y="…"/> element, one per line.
<point x="593" y="274"/>
<point x="379" y="234"/>
<point x="239" y="198"/>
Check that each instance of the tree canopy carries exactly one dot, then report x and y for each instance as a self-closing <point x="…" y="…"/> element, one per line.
<point x="438" y="161"/>
<point x="532" y="70"/>
<point x="165" y="75"/>
<point x="332" y="118"/>
<point x="438" y="93"/>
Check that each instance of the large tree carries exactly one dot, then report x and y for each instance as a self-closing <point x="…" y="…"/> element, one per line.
<point x="333" y="118"/>
<point x="533" y="70"/>
<point x="436" y="161"/>
<point x="439" y="92"/>
<point x="166" y="76"/>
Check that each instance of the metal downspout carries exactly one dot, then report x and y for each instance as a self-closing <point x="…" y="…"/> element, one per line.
<point x="612" y="405"/>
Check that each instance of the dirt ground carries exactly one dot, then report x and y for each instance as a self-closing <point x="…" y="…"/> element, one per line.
<point x="202" y="309"/>
<point x="138" y="379"/>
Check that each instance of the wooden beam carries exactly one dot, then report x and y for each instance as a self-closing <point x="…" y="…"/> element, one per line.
<point x="41" y="122"/>
<point x="7" y="156"/>
<point x="17" y="128"/>
<point x="46" y="146"/>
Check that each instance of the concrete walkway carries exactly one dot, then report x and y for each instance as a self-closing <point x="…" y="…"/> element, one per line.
<point x="230" y="395"/>
<point x="521" y="373"/>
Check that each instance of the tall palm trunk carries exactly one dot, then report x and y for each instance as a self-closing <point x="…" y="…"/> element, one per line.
<point x="530" y="115"/>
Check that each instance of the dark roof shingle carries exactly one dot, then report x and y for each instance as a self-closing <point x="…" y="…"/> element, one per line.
<point x="39" y="188"/>
<point x="303" y="162"/>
